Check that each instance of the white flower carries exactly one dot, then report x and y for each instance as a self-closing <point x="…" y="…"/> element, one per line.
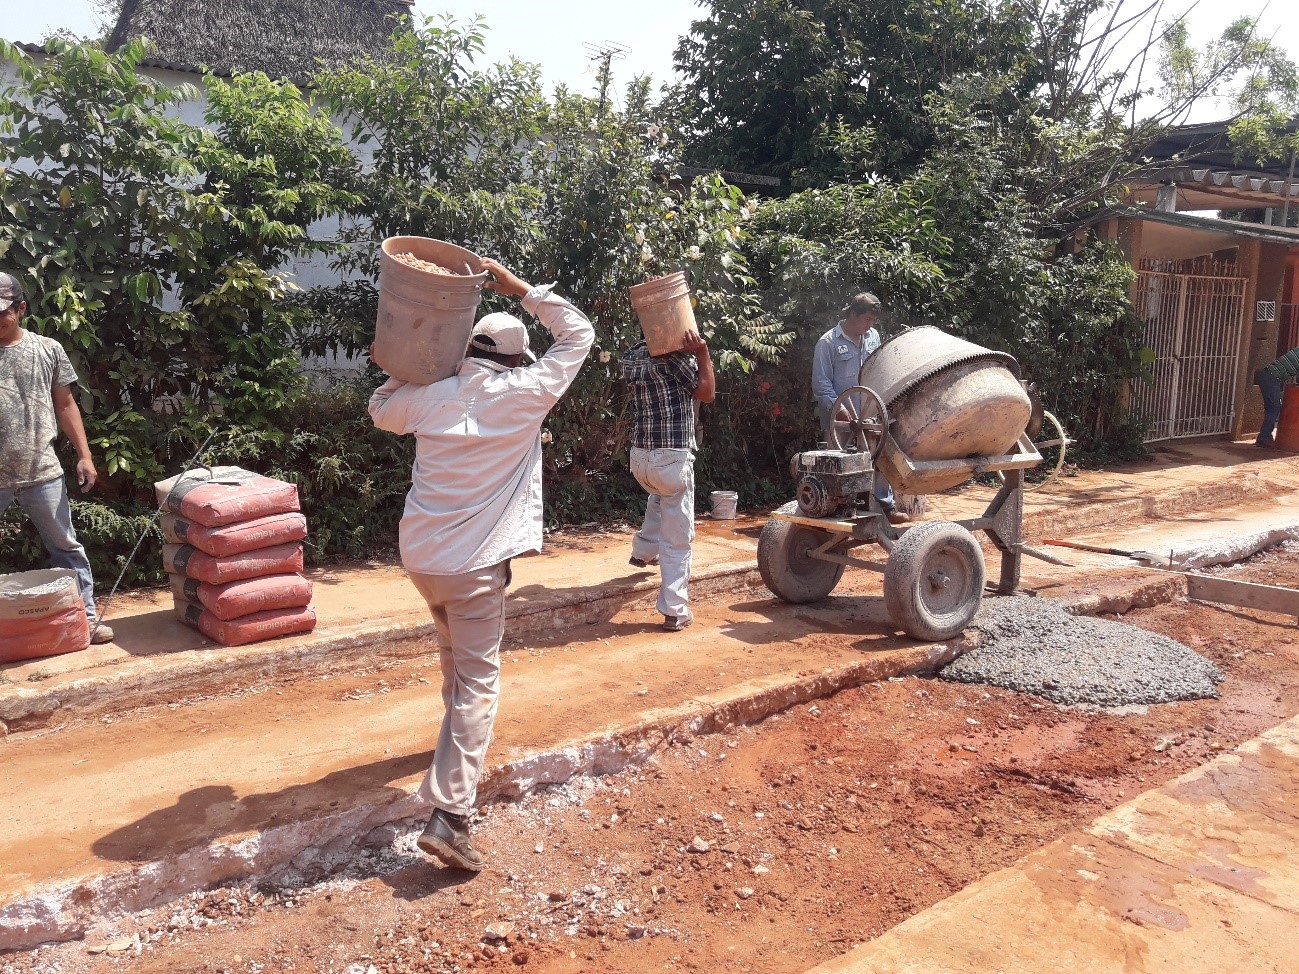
<point x="652" y="131"/>
<point x="663" y="138"/>
<point x="694" y="253"/>
<point x="726" y="260"/>
<point x="640" y="236"/>
<point x="646" y="255"/>
<point x="604" y="358"/>
<point x="546" y="437"/>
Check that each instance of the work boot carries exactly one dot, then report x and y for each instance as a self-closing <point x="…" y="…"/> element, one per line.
<point x="447" y="837"/>
<point x="676" y="623"/>
<point x="894" y="515"/>
<point x="102" y="634"/>
<point x="642" y="562"/>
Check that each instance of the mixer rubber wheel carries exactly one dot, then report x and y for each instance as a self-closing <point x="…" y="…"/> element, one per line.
<point x="785" y="565"/>
<point x="933" y="580"/>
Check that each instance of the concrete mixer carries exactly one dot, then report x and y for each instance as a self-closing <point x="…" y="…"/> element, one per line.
<point x="930" y="411"/>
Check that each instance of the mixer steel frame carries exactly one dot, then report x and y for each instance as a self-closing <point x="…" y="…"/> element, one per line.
<point x="866" y="523"/>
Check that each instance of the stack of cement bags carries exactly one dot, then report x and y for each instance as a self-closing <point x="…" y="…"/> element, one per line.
<point x="235" y="554"/>
<point x="41" y="614"/>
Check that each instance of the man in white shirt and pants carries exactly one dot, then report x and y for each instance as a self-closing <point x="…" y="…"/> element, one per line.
<point x="475" y="503"/>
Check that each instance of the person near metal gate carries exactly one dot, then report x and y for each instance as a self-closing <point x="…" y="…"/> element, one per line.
<point x="36" y="402"/>
<point x="475" y="503"/>
<point x="665" y="393"/>
<point x="836" y="366"/>
<point x="1271" y="380"/>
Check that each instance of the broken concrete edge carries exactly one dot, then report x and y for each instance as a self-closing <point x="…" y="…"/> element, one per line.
<point x="309" y="850"/>
<point x="216" y="670"/>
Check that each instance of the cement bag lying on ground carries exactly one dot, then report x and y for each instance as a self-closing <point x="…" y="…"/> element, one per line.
<point x="233" y="539"/>
<point x="235" y="599"/>
<point x="251" y="628"/>
<point x="184" y="559"/>
<point x="41" y="614"/>
<point x="213" y="496"/>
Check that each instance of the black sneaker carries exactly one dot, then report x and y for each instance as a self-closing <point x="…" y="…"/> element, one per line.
<point x="676" y="623"/>
<point x="447" y="837"/>
<point x="642" y="562"/>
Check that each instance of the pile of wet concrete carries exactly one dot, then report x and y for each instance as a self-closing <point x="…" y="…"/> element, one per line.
<point x="1034" y="645"/>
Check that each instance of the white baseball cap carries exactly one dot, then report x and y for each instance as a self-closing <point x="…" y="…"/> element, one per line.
<point x="502" y="333"/>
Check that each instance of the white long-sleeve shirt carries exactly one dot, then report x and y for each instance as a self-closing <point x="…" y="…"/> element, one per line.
<point x="475" y="495"/>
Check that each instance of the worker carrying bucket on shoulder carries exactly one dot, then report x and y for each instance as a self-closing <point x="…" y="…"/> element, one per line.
<point x="667" y="374"/>
<point x="475" y="495"/>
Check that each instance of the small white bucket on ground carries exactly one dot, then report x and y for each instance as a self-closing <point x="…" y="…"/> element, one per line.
<point x="724" y="503"/>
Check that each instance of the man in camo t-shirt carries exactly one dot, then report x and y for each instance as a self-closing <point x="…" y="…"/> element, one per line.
<point x="36" y="402"/>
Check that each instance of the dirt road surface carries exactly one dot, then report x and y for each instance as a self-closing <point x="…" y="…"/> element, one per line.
<point x="768" y="848"/>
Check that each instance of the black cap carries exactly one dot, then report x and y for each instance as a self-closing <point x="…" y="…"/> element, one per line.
<point x="864" y="303"/>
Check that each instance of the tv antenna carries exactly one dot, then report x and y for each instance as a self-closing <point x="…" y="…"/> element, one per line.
<point x="604" y="55"/>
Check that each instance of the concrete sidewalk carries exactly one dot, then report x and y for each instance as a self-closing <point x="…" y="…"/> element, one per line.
<point x="1201" y="875"/>
<point x="372" y="614"/>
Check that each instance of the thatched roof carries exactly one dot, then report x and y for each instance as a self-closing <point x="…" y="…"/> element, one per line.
<point x="284" y="38"/>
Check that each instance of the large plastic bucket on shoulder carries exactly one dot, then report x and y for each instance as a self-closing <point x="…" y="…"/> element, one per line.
<point x="949" y="399"/>
<point x="425" y="318"/>
<point x="663" y="308"/>
<point x="1287" y="426"/>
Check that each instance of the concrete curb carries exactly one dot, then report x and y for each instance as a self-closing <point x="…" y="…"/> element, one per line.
<point x="213" y="670"/>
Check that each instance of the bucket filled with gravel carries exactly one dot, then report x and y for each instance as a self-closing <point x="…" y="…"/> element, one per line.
<point x="429" y="292"/>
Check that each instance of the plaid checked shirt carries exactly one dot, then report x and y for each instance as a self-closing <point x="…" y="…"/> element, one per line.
<point x="663" y="395"/>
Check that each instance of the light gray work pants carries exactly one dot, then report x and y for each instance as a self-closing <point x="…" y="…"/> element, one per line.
<point x="668" y="476"/>
<point x="469" y="611"/>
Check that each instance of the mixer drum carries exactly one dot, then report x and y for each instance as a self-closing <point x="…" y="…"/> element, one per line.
<point x="950" y="400"/>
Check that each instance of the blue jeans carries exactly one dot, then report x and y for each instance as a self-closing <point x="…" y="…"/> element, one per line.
<point x="668" y="476"/>
<point x="1272" y="388"/>
<point x="47" y="506"/>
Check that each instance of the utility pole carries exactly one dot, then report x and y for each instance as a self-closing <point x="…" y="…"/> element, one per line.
<point x="604" y="54"/>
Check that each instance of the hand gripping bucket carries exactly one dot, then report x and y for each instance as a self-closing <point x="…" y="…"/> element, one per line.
<point x="663" y="308"/>
<point x="425" y="318"/>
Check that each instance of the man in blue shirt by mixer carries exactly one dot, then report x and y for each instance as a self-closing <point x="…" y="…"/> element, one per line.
<point x="836" y="365"/>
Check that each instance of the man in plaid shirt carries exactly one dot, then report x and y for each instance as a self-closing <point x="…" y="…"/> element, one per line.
<point x="664" y="392"/>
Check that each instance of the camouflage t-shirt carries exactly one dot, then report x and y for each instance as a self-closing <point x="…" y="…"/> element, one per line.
<point x="29" y="373"/>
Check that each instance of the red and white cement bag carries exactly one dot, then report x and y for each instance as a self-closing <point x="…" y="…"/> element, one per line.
<point x="250" y="628"/>
<point x="235" y="599"/>
<point x="41" y="614"/>
<point x="213" y="496"/>
<point x="184" y="559"/>
<point x="234" y="539"/>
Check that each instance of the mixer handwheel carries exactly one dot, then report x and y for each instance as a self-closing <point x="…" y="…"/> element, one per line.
<point x="1052" y="449"/>
<point x="866" y="422"/>
<point x="933" y="580"/>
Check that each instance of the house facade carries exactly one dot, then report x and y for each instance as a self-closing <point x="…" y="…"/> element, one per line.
<point x="1220" y="296"/>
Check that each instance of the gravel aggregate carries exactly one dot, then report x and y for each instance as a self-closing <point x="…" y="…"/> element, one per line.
<point x="1033" y="645"/>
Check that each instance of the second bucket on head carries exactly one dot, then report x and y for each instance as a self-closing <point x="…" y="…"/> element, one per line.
<point x="664" y="310"/>
<point x="425" y="318"/>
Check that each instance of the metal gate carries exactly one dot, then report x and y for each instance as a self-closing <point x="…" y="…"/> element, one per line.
<point x="1193" y="325"/>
